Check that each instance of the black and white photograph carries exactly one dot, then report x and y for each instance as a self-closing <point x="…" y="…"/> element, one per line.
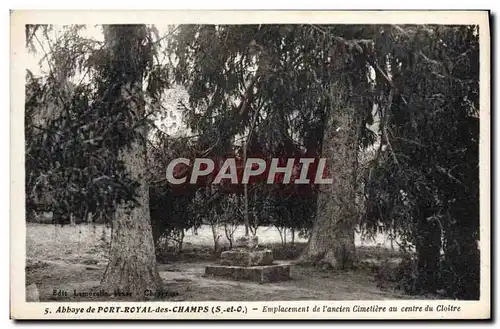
<point x="296" y="168"/>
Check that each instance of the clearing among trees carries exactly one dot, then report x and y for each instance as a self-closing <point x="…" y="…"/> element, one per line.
<point x="73" y="258"/>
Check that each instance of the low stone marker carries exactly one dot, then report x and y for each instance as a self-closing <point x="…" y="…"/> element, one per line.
<point x="246" y="258"/>
<point x="247" y="263"/>
<point x="32" y="294"/>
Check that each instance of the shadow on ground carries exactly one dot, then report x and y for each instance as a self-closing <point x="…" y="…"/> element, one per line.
<point x="60" y="265"/>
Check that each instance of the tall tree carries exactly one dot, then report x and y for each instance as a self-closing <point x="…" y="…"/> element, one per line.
<point x="132" y="265"/>
<point x="424" y="182"/>
<point x="332" y="238"/>
<point x="86" y="133"/>
<point x="304" y="86"/>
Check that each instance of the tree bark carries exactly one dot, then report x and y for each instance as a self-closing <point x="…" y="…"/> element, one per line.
<point x="132" y="267"/>
<point x="332" y="238"/>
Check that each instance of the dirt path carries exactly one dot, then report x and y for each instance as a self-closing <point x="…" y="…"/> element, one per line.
<point x="186" y="279"/>
<point x="307" y="284"/>
<point x="74" y="258"/>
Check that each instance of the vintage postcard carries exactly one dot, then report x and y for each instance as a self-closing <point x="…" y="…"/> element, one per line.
<point x="250" y="165"/>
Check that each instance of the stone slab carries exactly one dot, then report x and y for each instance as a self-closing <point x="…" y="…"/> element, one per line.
<point x="246" y="257"/>
<point x="260" y="274"/>
<point x="247" y="242"/>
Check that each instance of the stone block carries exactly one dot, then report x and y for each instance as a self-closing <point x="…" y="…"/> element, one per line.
<point x="247" y="242"/>
<point x="32" y="294"/>
<point x="246" y="257"/>
<point x="260" y="274"/>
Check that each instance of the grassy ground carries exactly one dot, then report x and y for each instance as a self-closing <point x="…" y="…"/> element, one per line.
<point x="74" y="258"/>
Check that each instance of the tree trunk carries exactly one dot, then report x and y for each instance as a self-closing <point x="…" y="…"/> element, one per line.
<point x="245" y="193"/>
<point x="215" y="236"/>
<point x="181" y="240"/>
<point x="132" y="265"/>
<point x="428" y="247"/>
<point x="132" y="262"/>
<point x="332" y="238"/>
